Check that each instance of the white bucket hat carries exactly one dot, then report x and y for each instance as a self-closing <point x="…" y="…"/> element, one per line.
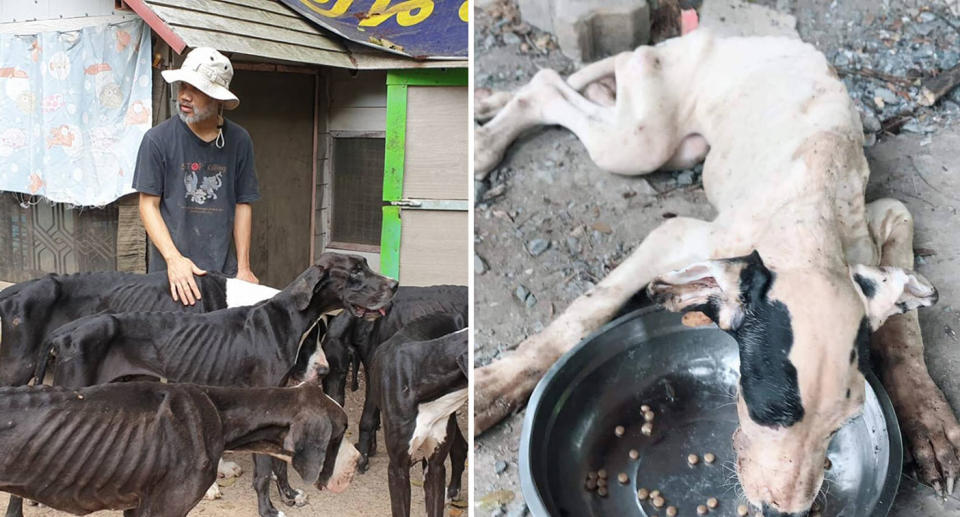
<point x="208" y="71"/>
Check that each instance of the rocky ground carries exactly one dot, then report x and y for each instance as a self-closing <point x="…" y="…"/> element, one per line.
<point x="549" y="224"/>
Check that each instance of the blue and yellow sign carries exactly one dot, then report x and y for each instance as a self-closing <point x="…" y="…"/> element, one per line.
<point x="421" y="29"/>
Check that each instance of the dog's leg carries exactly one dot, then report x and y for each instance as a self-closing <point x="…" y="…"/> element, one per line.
<point x="289" y="495"/>
<point x="15" y="507"/>
<point x="504" y="385"/>
<point x="369" y="421"/>
<point x="262" y="467"/>
<point x="927" y="421"/>
<point x="434" y="476"/>
<point x="398" y="479"/>
<point x="458" y="459"/>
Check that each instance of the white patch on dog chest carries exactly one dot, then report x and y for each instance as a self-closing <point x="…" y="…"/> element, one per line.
<point x="431" y="429"/>
<point x="241" y="293"/>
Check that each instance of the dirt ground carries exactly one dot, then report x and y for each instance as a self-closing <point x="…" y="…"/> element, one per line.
<point x="547" y="189"/>
<point x="367" y="495"/>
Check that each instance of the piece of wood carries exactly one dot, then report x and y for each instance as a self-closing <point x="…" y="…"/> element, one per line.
<point x="434" y="248"/>
<point x="251" y="29"/>
<point x="256" y="47"/>
<point x="131" y="236"/>
<point x="934" y="88"/>
<point x="437" y="132"/>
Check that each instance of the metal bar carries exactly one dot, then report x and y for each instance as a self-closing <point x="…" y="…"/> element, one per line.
<point x="393" y="160"/>
<point x="428" y="77"/>
<point x="458" y="205"/>
<point x="313" y="184"/>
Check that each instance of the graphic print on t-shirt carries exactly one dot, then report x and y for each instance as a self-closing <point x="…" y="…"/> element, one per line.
<point x="202" y="181"/>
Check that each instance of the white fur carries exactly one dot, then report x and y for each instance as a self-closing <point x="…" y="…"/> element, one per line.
<point x="344" y="468"/>
<point x="228" y="469"/>
<point x="213" y="492"/>
<point x="431" y="429"/>
<point x="241" y="293"/>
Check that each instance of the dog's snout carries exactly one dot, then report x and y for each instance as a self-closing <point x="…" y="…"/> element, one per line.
<point x="322" y="370"/>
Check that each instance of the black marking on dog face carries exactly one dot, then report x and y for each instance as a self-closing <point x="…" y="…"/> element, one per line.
<point x="867" y="287"/>
<point x="862" y="345"/>
<point x="853" y="354"/>
<point x="848" y="392"/>
<point x="768" y="379"/>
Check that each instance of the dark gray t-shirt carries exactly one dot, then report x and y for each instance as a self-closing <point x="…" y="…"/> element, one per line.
<point x="199" y="187"/>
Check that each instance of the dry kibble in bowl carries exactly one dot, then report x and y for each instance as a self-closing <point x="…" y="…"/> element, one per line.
<point x="671" y="511"/>
<point x="709" y="457"/>
<point x="658" y="502"/>
<point x="647" y="429"/>
<point x="702" y="509"/>
<point x="712" y="502"/>
<point x="655" y="494"/>
<point x="623" y="478"/>
<point x="634" y="454"/>
<point x="642" y="494"/>
<point x="602" y="473"/>
<point x="602" y="491"/>
<point x="648" y="416"/>
<point x="742" y="510"/>
<point x="644" y="408"/>
<point x="693" y="459"/>
<point x="619" y="430"/>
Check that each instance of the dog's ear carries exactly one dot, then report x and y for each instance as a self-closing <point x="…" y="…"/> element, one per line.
<point x="721" y="289"/>
<point x="308" y="438"/>
<point x="302" y="288"/>
<point x="888" y="291"/>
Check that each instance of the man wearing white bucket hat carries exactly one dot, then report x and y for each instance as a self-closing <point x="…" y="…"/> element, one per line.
<point x="196" y="179"/>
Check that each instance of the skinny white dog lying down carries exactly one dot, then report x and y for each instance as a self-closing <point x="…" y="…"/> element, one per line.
<point x="796" y="266"/>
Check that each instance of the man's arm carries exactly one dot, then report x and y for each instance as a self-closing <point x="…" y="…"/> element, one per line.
<point x="180" y="269"/>
<point x="242" y="228"/>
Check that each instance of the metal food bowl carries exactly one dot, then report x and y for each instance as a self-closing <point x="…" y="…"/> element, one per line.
<point x="689" y="378"/>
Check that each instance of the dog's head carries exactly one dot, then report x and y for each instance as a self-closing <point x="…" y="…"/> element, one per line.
<point x="320" y="454"/>
<point x="804" y="339"/>
<point x="343" y="281"/>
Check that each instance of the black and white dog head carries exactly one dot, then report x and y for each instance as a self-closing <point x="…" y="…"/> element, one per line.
<point x="347" y="281"/>
<point x="804" y="339"/>
<point x="320" y="454"/>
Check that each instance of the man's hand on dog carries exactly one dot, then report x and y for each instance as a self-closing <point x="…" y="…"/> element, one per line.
<point x="183" y="287"/>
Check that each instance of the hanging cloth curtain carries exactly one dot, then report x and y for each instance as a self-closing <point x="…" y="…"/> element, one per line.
<point x="73" y="108"/>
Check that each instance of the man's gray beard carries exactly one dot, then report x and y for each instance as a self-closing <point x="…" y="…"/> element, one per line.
<point x="198" y="116"/>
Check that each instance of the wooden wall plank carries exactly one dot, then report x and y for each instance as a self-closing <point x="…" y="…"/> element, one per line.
<point x="436" y="153"/>
<point x="434" y="249"/>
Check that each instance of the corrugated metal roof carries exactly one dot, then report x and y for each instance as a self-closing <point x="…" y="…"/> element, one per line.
<point x="263" y="28"/>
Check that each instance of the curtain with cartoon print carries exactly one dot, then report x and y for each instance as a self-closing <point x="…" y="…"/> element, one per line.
<point x="74" y="106"/>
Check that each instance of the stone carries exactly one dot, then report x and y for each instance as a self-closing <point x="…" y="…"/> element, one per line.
<point x="587" y="30"/>
<point x="537" y="246"/>
<point x="886" y="95"/>
<point x="500" y="467"/>
<point x="479" y="265"/>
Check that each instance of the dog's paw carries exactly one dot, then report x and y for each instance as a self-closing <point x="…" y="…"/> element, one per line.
<point x="213" y="493"/>
<point x="228" y="469"/>
<point x="300" y="499"/>
<point x="930" y="428"/>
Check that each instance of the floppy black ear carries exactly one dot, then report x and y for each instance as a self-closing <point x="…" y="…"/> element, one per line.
<point x="308" y="440"/>
<point x="302" y="288"/>
<point x="721" y="289"/>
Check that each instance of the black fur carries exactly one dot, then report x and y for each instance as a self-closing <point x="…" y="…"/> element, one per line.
<point x="768" y="379"/>
<point x="867" y="287"/>
<point x="862" y="346"/>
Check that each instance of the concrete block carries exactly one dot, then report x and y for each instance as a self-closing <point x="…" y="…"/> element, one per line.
<point x="739" y="18"/>
<point x="588" y="30"/>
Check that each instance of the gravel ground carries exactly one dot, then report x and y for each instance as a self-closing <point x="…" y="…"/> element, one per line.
<point x="550" y="224"/>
